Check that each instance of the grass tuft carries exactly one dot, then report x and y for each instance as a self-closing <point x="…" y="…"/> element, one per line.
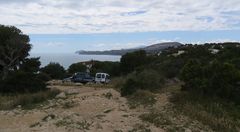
<point x="218" y="114"/>
<point x="27" y="100"/>
<point x="141" y="97"/>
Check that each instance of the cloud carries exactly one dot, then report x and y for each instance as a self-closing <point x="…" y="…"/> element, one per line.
<point x="94" y="16"/>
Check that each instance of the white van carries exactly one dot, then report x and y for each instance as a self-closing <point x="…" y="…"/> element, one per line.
<point x="102" y="78"/>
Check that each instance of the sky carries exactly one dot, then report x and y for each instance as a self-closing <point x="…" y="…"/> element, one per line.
<point x="57" y="26"/>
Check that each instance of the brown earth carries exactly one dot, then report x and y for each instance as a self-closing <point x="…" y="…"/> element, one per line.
<point x="96" y="108"/>
<point x="83" y="109"/>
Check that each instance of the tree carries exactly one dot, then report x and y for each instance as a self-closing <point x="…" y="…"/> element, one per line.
<point x="112" y="68"/>
<point x="77" y="67"/>
<point x="30" y="65"/>
<point x="54" y="70"/>
<point x="132" y="60"/>
<point x="14" y="48"/>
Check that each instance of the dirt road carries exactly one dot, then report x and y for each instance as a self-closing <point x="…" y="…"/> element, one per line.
<point x="76" y="109"/>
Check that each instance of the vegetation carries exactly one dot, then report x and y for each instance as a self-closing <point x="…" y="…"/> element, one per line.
<point x="210" y="75"/>
<point x="130" y="61"/>
<point x="77" y="67"/>
<point x="26" y="100"/>
<point x="144" y="80"/>
<point x="14" y="48"/>
<point x="141" y="97"/>
<point x="211" y="82"/>
<point x="22" y="82"/>
<point x="218" y="77"/>
<point x="219" y="114"/>
<point x="19" y="74"/>
<point x="156" y="118"/>
<point x="112" y="68"/>
<point x="54" y="70"/>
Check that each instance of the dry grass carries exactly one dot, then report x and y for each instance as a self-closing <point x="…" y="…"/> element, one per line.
<point x="219" y="115"/>
<point x="118" y="82"/>
<point x="157" y="118"/>
<point x="27" y="100"/>
<point x="141" y="97"/>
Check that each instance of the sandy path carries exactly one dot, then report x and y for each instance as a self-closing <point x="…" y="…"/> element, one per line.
<point x="84" y="109"/>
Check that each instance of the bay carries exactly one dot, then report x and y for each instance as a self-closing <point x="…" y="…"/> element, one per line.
<point x="66" y="59"/>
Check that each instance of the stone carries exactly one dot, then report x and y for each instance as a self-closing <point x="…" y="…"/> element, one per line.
<point x="188" y="130"/>
<point x="72" y="91"/>
<point x="107" y="110"/>
<point x="62" y="95"/>
<point x="78" y="84"/>
<point x="19" y="106"/>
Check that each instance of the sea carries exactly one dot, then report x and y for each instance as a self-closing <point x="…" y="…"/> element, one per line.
<point x="66" y="59"/>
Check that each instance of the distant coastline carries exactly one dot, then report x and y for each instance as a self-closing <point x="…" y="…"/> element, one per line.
<point x="66" y="59"/>
<point x="152" y="49"/>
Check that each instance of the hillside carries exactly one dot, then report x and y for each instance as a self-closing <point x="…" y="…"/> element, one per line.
<point x="155" y="48"/>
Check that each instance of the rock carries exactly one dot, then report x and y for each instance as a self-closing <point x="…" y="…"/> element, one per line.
<point x="54" y="82"/>
<point x="49" y="117"/>
<point x="72" y="91"/>
<point x="188" y="130"/>
<point x="107" y="110"/>
<point x="19" y="106"/>
<point x="78" y="84"/>
<point x="98" y="126"/>
<point x="62" y="95"/>
<point x="90" y="83"/>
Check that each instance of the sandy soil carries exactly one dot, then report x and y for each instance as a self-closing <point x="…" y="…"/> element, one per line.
<point x="83" y="109"/>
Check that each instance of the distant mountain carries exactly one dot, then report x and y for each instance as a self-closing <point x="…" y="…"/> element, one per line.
<point x="149" y="49"/>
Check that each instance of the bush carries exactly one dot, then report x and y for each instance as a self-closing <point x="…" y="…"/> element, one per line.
<point x="44" y="77"/>
<point x="214" y="79"/>
<point x="144" y="80"/>
<point x="130" y="61"/>
<point x="77" y="67"/>
<point x="54" y="70"/>
<point x="112" y="68"/>
<point x="31" y="65"/>
<point x="20" y="82"/>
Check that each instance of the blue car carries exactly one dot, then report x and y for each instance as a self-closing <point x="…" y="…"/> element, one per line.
<point x="82" y="77"/>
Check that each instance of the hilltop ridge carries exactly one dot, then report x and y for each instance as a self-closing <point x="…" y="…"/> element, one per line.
<point x="149" y="49"/>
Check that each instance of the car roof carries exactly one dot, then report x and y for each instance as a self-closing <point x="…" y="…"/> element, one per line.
<point x="102" y="73"/>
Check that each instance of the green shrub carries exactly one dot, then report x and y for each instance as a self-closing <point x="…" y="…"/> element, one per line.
<point x="44" y="77"/>
<point x="54" y="70"/>
<point x="112" y="68"/>
<point x="130" y="61"/>
<point x="144" y="80"/>
<point x="214" y="79"/>
<point x="76" y="67"/>
<point x="31" y="65"/>
<point x="20" y="82"/>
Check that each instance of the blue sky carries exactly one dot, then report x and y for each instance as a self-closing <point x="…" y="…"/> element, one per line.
<point x="58" y="26"/>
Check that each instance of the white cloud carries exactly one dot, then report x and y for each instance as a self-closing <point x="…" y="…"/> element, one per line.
<point x="221" y="41"/>
<point x="107" y="16"/>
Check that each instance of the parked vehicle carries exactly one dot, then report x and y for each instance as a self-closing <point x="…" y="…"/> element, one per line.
<point x="82" y="77"/>
<point x="102" y="78"/>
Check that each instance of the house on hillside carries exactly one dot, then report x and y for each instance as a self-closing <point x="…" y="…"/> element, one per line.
<point x="214" y="51"/>
<point x="88" y="64"/>
<point x="178" y="53"/>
